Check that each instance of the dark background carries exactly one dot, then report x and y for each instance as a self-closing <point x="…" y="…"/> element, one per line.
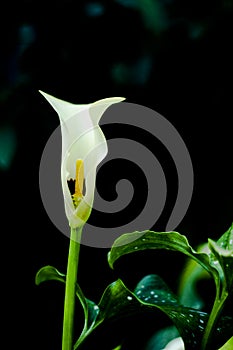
<point x="172" y="56"/>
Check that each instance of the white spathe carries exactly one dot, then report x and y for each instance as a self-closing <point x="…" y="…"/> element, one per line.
<point x="82" y="138"/>
<point x="175" y="344"/>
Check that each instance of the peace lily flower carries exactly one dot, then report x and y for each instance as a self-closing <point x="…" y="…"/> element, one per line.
<point x="83" y="147"/>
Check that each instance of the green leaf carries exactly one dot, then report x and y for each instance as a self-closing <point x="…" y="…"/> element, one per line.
<point x="49" y="273"/>
<point x="137" y="241"/>
<point x="226" y="240"/>
<point x="192" y="273"/>
<point x="151" y="294"/>
<point x="116" y="302"/>
<point x="228" y="345"/>
<point x="190" y="322"/>
<point x="153" y="290"/>
<point x="222" y="257"/>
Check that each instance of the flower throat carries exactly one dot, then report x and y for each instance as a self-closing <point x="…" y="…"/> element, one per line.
<point x="76" y="186"/>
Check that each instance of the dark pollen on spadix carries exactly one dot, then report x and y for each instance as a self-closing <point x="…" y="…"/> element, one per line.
<point x="71" y="186"/>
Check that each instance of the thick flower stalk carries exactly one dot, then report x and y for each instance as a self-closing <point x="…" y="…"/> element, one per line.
<point x="83" y="148"/>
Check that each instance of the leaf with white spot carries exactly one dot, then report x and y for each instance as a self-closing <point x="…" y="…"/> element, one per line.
<point x="127" y="244"/>
<point x="190" y="323"/>
<point x="222" y="257"/>
<point x="116" y="302"/>
<point x="151" y="294"/>
<point x="154" y="290"/>
<point x="217" y="262"/>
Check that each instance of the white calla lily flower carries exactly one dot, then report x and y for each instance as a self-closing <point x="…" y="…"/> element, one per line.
<point x="83" y="147"/>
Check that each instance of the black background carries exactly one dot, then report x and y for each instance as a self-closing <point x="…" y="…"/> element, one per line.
<point x="179" y="64"/>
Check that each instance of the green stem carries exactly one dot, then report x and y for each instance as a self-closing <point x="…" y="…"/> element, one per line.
<point x="214" y="316"/>
<point x="71" y="279"/>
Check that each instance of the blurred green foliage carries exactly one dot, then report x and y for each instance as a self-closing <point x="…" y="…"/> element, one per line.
<point x="8" y="144"/>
